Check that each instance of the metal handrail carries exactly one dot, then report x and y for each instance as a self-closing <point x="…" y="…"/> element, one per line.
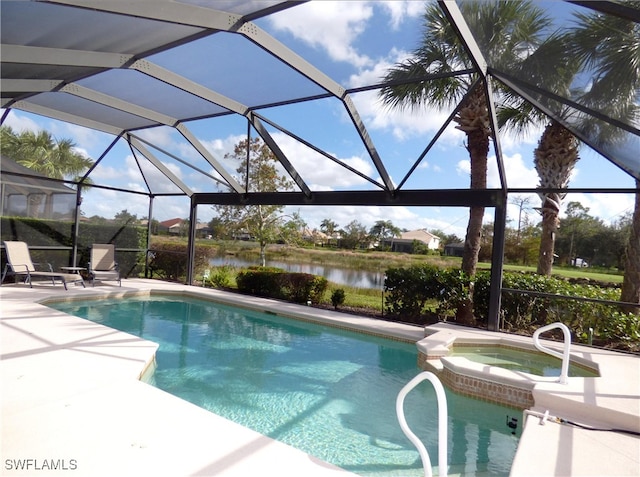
<point x="442" y="423"/>
<point x="564" y="356"/>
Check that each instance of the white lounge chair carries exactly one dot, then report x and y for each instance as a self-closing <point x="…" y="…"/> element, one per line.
<point x="103" y="265"/>
<point x="19" y="263"/>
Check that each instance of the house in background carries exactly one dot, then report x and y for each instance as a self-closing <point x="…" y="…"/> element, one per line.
<point x="171" y="226"/>
<point x="454" y="249"/>
<point x="405" y="243"/>
<point x="179" y="226"/>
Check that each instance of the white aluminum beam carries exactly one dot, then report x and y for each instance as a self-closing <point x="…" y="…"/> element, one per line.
<point x="196" y="89"/>
<point x="57" y="56"/>
<point x="210" y="19"/>
<point x="180" y="82"/>
<point x="29" y="85"/>
<point x="66" y="117"/>
<point x="209" y="158"/>
<point x="257" y="124"/>
<point x="116" y="103"/>
<point x="160" y="166"/>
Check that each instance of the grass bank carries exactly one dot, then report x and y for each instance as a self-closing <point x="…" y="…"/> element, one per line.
<point x="373" y="260"/>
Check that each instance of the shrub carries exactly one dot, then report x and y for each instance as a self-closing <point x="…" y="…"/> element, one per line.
<point x="408" y="290"/>
<point x="561" y="303"/>
<point x="337" y="297"/>
<point x="260" y="281"/>
<point x="619" y="327"/>
<point x="276" y="283"/>
<point x="169" y="260"/>
<point x="221" y="276"/>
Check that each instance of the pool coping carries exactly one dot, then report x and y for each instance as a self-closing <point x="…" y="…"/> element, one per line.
<point x="50" y="361"/>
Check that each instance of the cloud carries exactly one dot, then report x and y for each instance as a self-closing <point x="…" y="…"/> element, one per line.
<point x="399" y="10"/>
<point x="319" y="172"/>
<point x="608" y="207"/>
<point x="402" y="123"/>
<point x="517" y="173"/>
<point x="162" y="136"/>
<point x="334" y="28"/>
<point x="107" y="203"/>
<point x="20" y="122"/>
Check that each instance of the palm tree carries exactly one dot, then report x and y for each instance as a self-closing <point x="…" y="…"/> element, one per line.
<point x="42" y="153"/>
<point x="328" y="227"/>
<point x="502" y="30"/>
<point x="384" y="229"/>
<point x="631" y="281"/>
<point x="608" y="48"/>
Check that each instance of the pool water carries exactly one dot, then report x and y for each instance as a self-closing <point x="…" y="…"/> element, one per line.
<point x="325" y="391"/>
<point x="519" y="360"/>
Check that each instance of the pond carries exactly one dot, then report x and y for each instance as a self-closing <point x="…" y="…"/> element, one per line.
<point x="343" y="276"/>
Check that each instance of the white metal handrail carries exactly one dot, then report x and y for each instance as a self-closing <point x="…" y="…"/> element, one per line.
<point x="564" y="356"/>
<point x="442" y="423"/>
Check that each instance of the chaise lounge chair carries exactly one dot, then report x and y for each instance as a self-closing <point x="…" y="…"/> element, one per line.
<point x="19" y="261"/>
<point x="103" y="265"/>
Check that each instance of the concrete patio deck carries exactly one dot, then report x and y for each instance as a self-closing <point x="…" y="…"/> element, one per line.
<point x="72" y="403"/>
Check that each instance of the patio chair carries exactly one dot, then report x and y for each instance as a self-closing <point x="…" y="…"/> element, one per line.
<point x="19" y="263"/>
<point x="103" y="265"/>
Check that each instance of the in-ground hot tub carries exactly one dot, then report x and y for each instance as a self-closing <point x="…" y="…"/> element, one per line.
<point x="502" y="369"/>
<point x="520" y="359"/>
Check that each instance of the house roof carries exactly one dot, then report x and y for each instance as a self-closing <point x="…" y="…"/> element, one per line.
<point x="419" y="234"/>
<point x="172" y="223"/>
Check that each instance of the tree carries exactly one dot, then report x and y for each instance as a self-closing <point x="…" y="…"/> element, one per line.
<point x="354" y="235"/>
<point x="602" y="50"/>
<point x="261" y="175"/>
<point x="328" y="227"/>
<point x="383" y="229"/>
<point x="445" y="239"/>
<point x="631" y="281"/>
<point x="125" y="218"/>
<point x="576" y="232"/>
<point x="218" y="229"/>
<point x="502" y="30"/>
<point x="609" y="48"/>
<point x="292" y="231"/>
<point x="42" y="153"/>
<point x="557" y="151"/>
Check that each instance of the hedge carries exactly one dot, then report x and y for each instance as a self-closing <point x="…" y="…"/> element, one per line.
<point x="410" y="293"/>
<point x="276" y="283"/>
<point x="56" y="233"/>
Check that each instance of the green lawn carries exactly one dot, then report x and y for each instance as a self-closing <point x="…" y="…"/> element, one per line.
<point x="567" y="272"/>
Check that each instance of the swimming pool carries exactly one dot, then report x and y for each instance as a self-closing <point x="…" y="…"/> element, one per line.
<point x="326" y="391"/>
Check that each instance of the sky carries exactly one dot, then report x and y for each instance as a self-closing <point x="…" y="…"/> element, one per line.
<point x="355" y="43"/>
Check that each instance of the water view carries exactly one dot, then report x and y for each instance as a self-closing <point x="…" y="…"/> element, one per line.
<point x="344" y="276"/>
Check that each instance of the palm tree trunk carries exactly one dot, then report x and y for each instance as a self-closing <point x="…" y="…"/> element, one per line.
<point x="554" y="159"/>
<point x="474" y="121"/>
<point x="631" y="282"/>
<point x="550" y="223"/>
